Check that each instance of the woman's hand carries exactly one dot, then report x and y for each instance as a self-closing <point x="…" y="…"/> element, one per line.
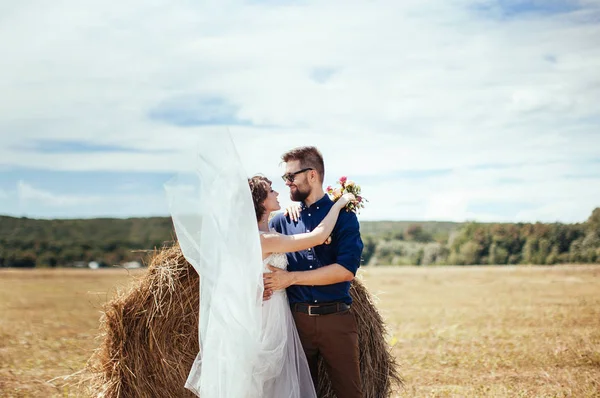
<point x="293" y="211"/>
<point x="347" y="198"/>
<point x="277" y="279"/>
<point x="267" y="294"/>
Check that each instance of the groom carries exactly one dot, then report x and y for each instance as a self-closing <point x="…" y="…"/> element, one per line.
<point x="318" y="279"/>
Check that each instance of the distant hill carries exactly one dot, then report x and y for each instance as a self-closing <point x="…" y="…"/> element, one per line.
<point x="26" y="242"/>
<point x="152" y="229"/>
<point x="435" y="228"/>
<point x="156" y="229"/>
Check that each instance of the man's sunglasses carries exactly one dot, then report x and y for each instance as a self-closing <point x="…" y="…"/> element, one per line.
<point x="292" y="176"/>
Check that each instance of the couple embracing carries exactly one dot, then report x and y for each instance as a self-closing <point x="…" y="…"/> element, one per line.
<point x="310" y="254"/>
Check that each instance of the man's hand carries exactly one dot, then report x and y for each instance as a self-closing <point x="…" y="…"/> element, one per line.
<point x="277" y="279"/>
<point x="293" y="211"/>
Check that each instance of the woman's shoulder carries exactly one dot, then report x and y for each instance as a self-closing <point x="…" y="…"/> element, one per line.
<point x="277" y="221"/>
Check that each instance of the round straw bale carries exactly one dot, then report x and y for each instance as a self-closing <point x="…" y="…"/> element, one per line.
<point x="149" y="336"/>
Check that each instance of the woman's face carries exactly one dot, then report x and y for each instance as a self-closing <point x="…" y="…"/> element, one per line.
<point x="271" y="203"/>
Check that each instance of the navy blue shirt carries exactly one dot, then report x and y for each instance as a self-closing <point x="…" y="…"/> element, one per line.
<point x="345" y="249"/>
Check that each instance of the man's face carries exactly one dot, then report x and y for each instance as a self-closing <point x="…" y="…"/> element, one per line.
<point x="299" y="187"/>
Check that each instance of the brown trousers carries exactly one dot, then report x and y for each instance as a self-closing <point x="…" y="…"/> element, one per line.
<point x="335" y="338"/>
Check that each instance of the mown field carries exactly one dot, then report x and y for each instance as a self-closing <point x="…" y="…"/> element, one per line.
<point x="456" y="331"/>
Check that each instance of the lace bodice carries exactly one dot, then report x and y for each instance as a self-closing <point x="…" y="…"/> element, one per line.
<point x="278" y="260"/>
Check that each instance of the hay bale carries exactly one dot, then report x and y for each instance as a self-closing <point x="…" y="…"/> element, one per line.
<point x="150" y="333"/>
<point x="149" y="337"/>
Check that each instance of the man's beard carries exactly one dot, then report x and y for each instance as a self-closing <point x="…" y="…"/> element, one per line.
<point x="298" y="195"/>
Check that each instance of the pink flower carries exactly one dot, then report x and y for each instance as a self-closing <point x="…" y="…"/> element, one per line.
<point x="344" y="185"/>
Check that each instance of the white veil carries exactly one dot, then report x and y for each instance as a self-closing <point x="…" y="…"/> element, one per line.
<point x="213" y="214"/>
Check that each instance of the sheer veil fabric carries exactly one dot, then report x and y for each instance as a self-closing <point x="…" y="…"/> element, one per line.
<point x="283" y="367"/>
<point x="247" y="350"/>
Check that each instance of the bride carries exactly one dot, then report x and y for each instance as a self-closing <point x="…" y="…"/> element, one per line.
<point x="249" y="348"/>
<point x="284" y="369"/>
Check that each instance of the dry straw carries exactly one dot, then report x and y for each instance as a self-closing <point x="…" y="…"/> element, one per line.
<point x="149" y="337"/>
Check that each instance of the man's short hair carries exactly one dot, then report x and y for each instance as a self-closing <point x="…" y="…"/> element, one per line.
<point x="309" y="156"/>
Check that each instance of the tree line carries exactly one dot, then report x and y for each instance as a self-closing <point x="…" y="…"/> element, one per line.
<point x="28" y="242"/>
<point x="490" y="243"/>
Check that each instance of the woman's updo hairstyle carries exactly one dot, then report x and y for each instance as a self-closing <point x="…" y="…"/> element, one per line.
<point x="260" y="187"/>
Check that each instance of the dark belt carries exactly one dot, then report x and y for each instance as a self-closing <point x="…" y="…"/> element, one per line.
<point x="321" y="309"/>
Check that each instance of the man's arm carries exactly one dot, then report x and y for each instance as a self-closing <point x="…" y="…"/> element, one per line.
<point x="328" y="275"/>
<point x="350" y="248"/>
<point x="350" y="245"/>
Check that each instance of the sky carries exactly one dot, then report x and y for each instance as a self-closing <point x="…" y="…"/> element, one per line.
<point x="450" y="110"/>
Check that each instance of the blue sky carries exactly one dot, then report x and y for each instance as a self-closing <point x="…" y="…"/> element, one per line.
<point x="191" y="110"/>
<point x="473" y="110"/>
<point x="512" y="9"/>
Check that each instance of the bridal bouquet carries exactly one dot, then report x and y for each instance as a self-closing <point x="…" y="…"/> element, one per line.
<point x="348" y="186"/>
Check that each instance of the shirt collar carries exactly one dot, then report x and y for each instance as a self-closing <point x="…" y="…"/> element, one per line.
<point x="321" y="202"/>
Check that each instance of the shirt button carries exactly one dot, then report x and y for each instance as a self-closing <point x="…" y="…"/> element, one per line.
<point x="310" y="266"/>
<point x="309" y="249"/>
<point x="309" y="214"/>
<point x="315" y="301"/>
<point x="317" y="207"/>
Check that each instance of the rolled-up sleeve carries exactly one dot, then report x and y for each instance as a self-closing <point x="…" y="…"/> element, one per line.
<point x="350" y="244"/>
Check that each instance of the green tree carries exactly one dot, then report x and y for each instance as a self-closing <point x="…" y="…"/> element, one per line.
<point x="543" y="251"/>
<point x="417" y="258"/>
<point x="593" y="222"/>
<point x="554" y="256"/>
<point x="575" y="252"/>
<point x="498" y="255"/>
<point x="529" y="250"/>
<point x="416" y="233"/>
<point x="370" y="245"/>
<point x="469" y="254"/>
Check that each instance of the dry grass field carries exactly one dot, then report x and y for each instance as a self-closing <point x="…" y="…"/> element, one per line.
<point x="457" y="331"/>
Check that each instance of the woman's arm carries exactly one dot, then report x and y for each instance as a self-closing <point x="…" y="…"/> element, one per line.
<point x="273" y="242"/>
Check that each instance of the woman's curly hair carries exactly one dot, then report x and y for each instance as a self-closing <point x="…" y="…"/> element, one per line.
<point x="260" y="187"/>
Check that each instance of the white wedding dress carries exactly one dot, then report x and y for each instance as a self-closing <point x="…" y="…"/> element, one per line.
<point x="285" y="369"/>
<point x="248" y="349"/>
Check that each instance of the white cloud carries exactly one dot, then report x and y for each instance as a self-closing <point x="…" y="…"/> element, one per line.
<point x="410" y="86"/>
<point x="27" y="192"/>
<point x="33" y="201"/>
